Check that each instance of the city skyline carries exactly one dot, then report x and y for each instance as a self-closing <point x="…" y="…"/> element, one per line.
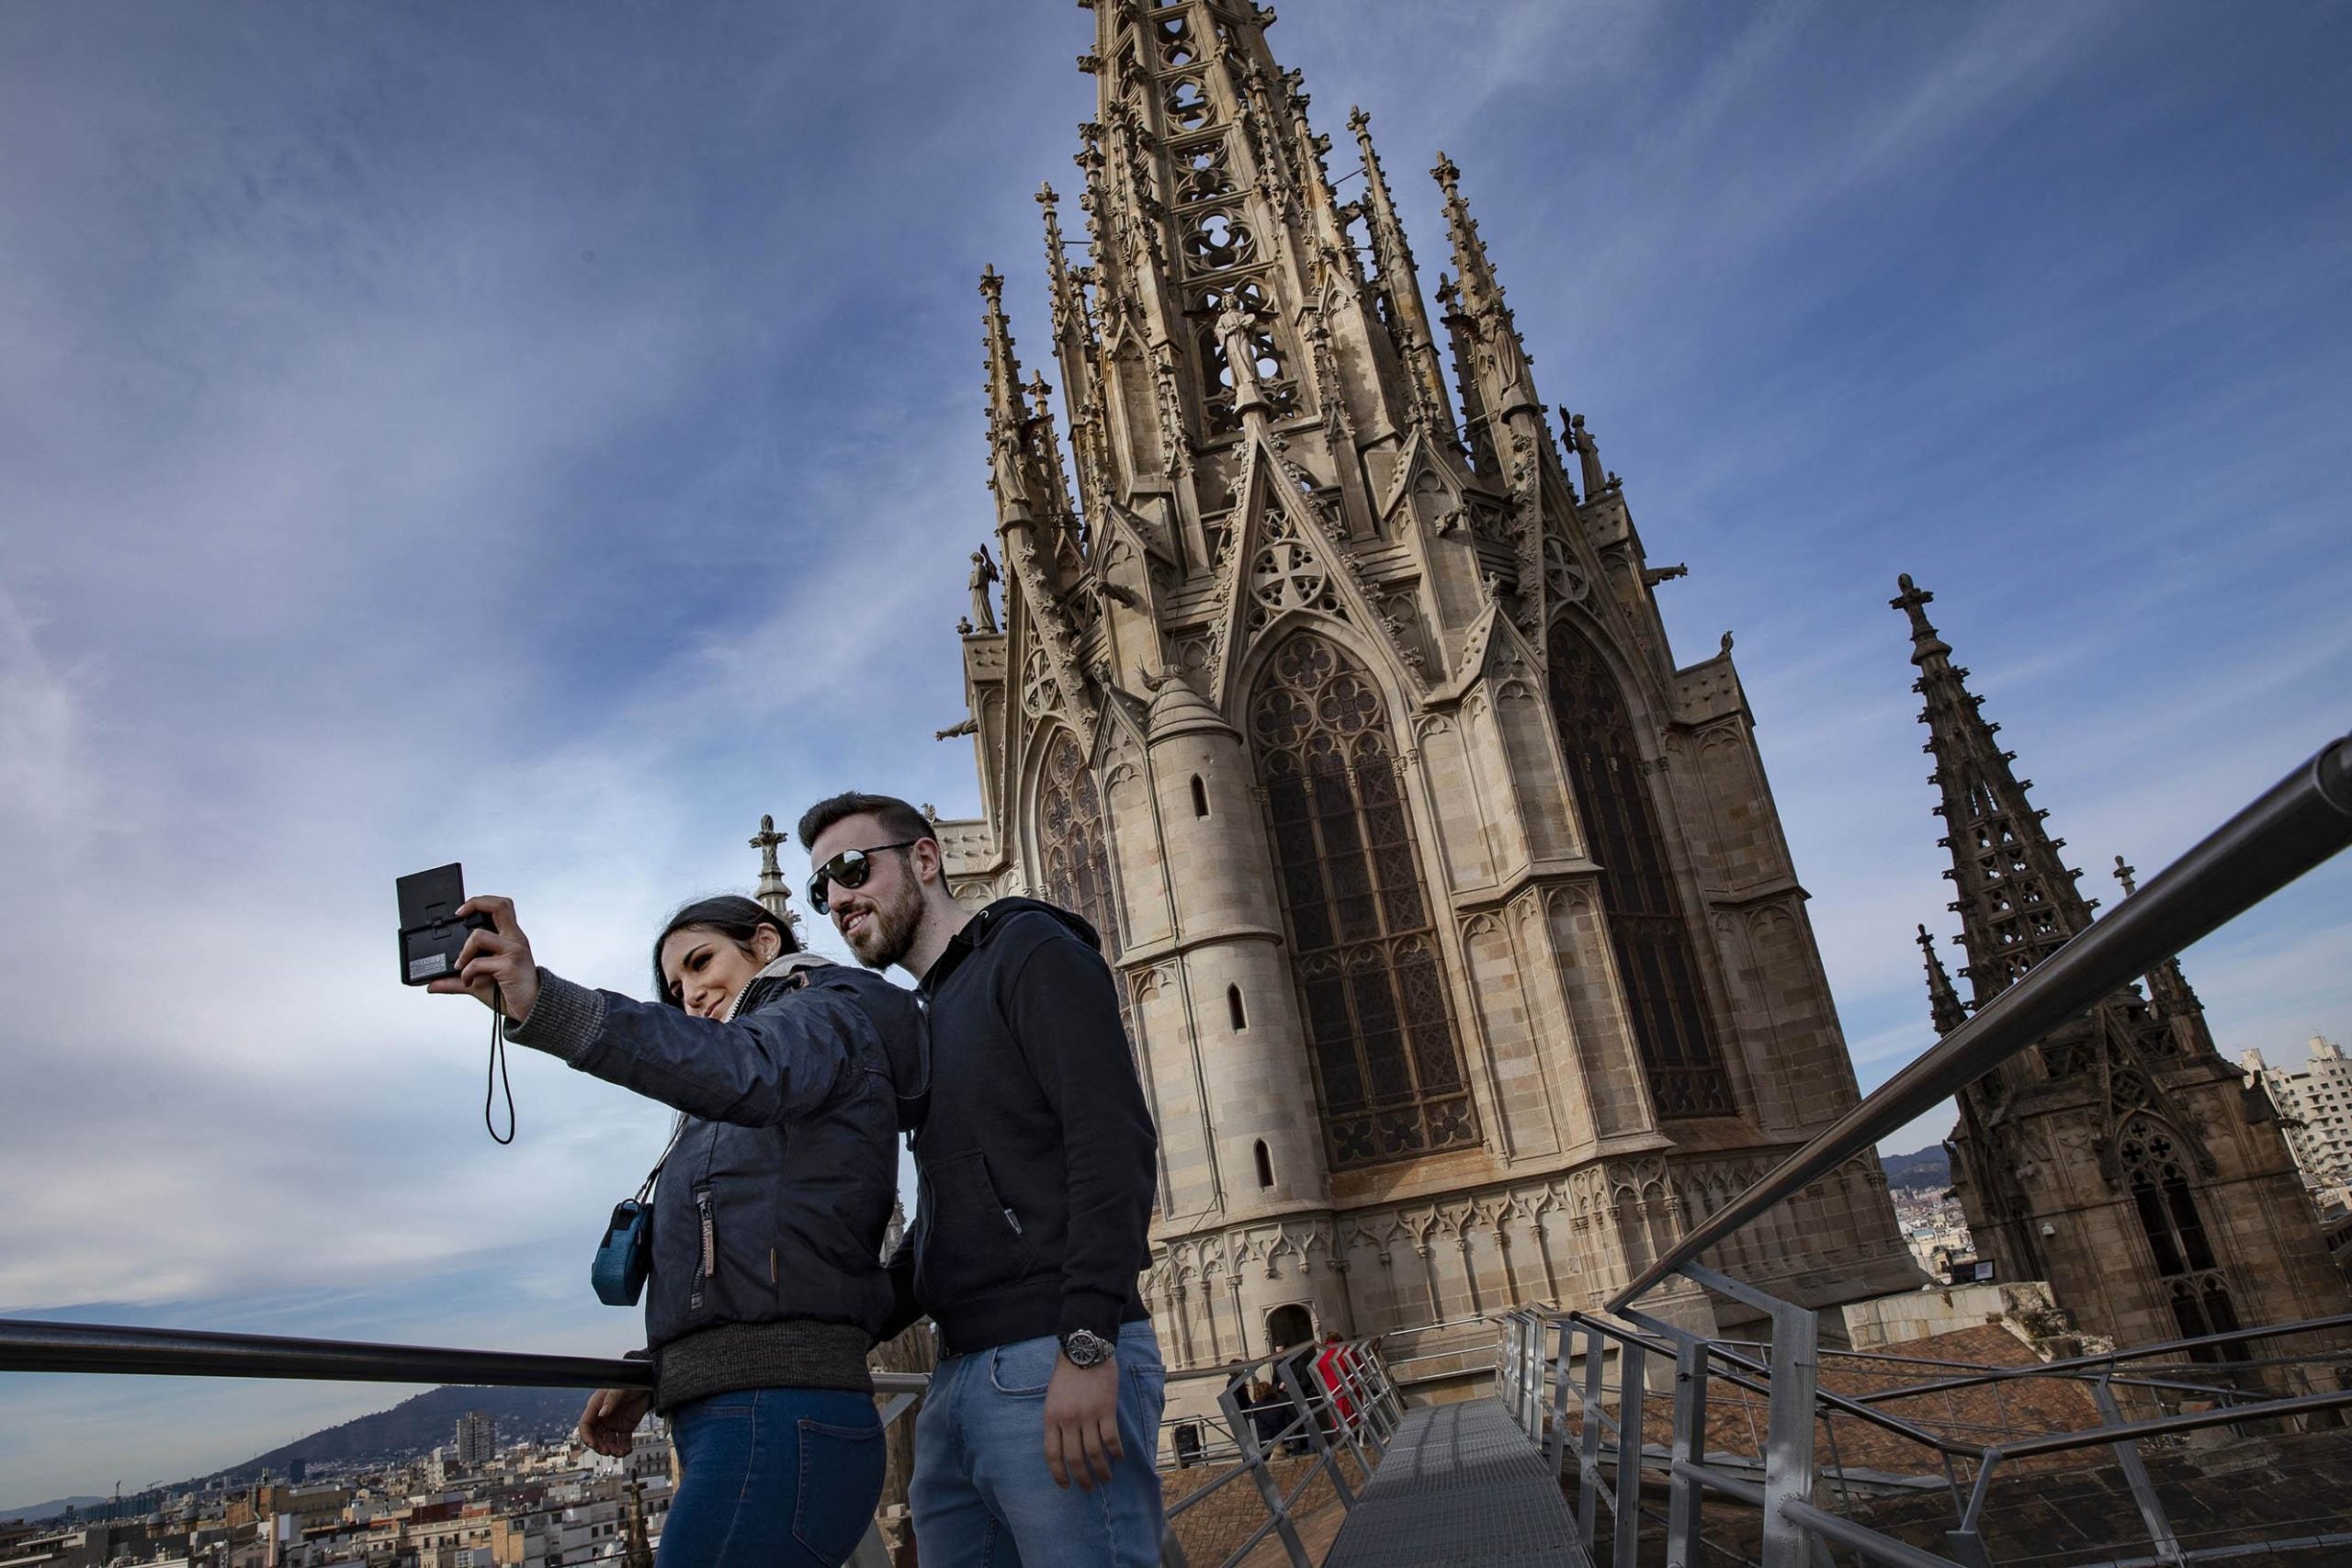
<point x="644" y="361"/>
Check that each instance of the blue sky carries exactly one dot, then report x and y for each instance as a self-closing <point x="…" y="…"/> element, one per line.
<point x="551" y="437"/>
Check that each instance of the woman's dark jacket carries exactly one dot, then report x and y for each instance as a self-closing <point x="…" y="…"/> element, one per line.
<point x="769" y="1218"/>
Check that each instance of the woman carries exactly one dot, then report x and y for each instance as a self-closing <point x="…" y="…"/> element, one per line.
<point x="765" y="1291"/>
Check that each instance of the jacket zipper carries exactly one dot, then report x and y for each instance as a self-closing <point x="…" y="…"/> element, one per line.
<point x="706" y="1219"/>
<point x="1014" y="1220"/>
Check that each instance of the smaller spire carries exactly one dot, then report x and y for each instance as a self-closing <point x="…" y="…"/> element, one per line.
<point x="2168" y="987"/>
<point x="1399" y="283"/>
<point x="1008" y="415"/>
<point x="1943" y="1002"/>
<point x="1479" y="311"/>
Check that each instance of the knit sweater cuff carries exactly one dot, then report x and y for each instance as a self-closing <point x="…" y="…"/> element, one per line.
<point x="564" y="1021"/>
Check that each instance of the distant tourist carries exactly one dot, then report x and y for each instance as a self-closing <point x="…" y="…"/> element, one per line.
<point x="1036" y="1164"/>
<point x="764" y="1291"/>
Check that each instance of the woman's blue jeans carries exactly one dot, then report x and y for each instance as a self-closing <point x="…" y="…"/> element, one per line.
<point x="772" y="1478"/>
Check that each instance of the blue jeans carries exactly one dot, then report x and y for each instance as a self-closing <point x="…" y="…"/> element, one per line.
<point x="982" y="1497"/>
<point x="772" y="1478"/>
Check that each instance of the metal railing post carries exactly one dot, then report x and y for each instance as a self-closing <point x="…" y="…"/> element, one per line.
<point x="1556" y="1441"/>
<point x="1326" y="1455"/>
<point x="1685" y="1497"/>
<point x="1633" y="1391"/>
<point x="1245" y="1436"/>
<point x="1589" y="1449"/>
<point x="1787" y="1434"/>
<point x="2135" y="1476"/>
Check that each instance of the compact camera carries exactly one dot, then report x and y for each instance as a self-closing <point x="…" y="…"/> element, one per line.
<point x="431" y="932"/>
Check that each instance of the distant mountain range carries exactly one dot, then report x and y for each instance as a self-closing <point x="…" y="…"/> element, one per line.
<point x="417" y="1425"/>
<point x="412" y="1427"/>
<point x="33" y="1513"/>
<point x="1929" y="1169"/>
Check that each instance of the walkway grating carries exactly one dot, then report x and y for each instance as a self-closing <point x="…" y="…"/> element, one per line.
<point x="1459" y="1484"/>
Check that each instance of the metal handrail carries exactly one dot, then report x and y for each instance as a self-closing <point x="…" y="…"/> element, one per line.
<point x="29" y="1345"/>
<point x="2298" y="824"/>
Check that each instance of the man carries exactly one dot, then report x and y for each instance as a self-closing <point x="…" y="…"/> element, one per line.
<point x="1035" y="1165"/>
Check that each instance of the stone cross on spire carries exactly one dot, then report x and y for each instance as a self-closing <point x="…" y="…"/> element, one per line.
<point x="772" y="891"/>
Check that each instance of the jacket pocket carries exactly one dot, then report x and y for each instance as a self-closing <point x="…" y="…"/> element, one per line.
<point x="975" y="1240"/>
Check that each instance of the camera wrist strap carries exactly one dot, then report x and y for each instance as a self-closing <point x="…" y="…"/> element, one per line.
<point x="496" y="1075"/>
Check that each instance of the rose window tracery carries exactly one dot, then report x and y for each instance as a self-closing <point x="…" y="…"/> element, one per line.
<point x="1363" y="945"/>
<point x="1563" y="574"/>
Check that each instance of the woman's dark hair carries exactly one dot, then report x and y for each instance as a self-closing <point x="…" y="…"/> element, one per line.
<point x="732" y="916"/>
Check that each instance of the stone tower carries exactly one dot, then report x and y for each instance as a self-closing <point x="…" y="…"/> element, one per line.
<point x="2122" y="1159"/>
<point x="1462" y="952"/>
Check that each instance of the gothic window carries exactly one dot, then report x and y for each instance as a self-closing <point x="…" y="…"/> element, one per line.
<point x="2155" y="1168"/>
<point x="1202" y="172"/>
<point x="1076" y="870"/>
<point x="1217" y="240"/>
<point x="1176" y="42"/>
<point x="1648" y="928"/>
<point x="1363" y="937"/>
<point x="1188" y="104"/>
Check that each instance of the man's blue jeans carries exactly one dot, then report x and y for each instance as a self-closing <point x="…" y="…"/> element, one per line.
<point x="982" y="1497"/>
<point x="772" y="1478"/>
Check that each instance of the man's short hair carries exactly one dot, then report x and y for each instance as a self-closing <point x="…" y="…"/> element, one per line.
<point x="895" y="817"/>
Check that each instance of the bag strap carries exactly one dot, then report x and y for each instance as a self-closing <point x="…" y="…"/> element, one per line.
<point x="676" y="1132"/>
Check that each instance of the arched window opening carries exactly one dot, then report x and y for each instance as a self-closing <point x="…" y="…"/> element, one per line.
<point x="1233" y="1009"/>
<point x="2156" y="1171"/>
<point x="1649" y="930"/>
<point x="1364" y="943"/>
<point x="1076" y="870"/>
<point x="1200" y="797"/>
<point x="1265" y="1166"/>
<point x="1287" y="1325"/>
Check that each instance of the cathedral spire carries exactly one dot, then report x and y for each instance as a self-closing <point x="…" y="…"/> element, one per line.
<point x="1943" y="1002"/>
<point x="1493" y="354"/>
<point x="1008" y="415"/>
<point x="2017" y="901"/>
<point x="1077" y="345"/>
<point x="1397" y="285"/>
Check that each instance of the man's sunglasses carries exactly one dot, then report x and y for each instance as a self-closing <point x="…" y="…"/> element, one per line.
<point x="850" y="868"/>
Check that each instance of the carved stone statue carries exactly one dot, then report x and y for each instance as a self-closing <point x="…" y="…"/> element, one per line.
<point x="1233" y="324"/>
<point x="984" y="572"/>
<point x="1588" y="451"/>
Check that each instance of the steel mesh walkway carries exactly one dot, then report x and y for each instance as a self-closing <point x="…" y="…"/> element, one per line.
<point x="1459" y="1484"/>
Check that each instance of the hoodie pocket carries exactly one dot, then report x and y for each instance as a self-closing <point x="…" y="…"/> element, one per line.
<point x="975" y="1241"/>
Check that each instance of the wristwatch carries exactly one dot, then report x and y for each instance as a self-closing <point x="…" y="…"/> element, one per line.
<point x="1085" y="1347"/>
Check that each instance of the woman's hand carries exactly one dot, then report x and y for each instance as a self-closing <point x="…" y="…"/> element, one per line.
<point x="611" y="1417"/>
<point x="495" y="965"/>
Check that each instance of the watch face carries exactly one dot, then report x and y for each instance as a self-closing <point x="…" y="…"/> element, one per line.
<point x="1085" y="1347"/>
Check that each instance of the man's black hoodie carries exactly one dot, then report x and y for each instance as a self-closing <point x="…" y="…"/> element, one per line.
<point x="1037" y="1160"/>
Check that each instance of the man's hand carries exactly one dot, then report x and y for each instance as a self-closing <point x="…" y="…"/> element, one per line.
<point x="611" y="1417"/>
<point x="495" y="967"/>
<point x="1083" y="1422"/>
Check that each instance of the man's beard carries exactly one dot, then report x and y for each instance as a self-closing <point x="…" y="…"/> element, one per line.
<point x="890" y="932"/>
